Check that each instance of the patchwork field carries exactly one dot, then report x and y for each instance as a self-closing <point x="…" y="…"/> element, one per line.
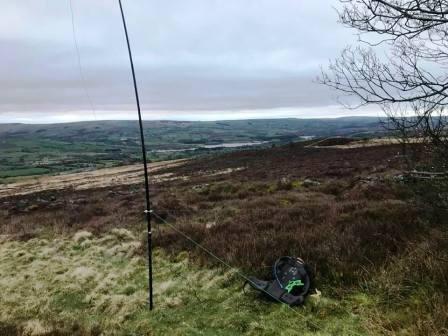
<point x="39" y="149"/>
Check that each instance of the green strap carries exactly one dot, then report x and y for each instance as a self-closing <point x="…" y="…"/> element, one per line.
<point x="292" y="284"/>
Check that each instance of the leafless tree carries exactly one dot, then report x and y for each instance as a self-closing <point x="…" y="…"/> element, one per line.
<point x="401" y="65"/>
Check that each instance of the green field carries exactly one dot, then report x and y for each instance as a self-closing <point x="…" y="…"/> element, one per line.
<point x="40" y="149"/>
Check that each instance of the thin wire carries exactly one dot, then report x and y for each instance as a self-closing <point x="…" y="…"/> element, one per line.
<point x="227" y="264"/>
<point x="78" y="56"/>
<point x="200" y="246"/>
<point x="210" y="253"/>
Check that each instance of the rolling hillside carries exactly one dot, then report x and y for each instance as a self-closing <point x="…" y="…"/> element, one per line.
<point x="41" y="149"/>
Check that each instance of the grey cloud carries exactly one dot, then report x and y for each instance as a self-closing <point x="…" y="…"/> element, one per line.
<point x="197" y="55"/>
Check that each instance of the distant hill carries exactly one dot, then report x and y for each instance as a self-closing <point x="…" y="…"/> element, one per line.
<point x="27" y="149"/>
<point x="171" y="134"/>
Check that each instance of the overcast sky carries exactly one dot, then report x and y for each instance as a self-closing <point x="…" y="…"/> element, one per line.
<point x="195" y="59"/>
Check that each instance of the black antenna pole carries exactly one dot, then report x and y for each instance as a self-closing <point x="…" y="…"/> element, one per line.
<point x="145" y="164"/>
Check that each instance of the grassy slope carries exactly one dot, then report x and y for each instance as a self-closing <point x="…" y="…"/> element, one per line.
<point x="85" y="285"/>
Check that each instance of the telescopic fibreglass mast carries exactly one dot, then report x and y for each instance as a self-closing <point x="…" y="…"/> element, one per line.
<point x="145" y="164"/>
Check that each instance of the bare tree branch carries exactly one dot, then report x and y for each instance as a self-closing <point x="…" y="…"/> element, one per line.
<point x="410" y="83"/>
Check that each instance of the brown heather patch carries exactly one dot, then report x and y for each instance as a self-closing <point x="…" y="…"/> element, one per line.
<point x="338" y="238"/>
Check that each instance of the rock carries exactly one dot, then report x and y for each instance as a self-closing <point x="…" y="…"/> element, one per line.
<point x="310" y="183"/>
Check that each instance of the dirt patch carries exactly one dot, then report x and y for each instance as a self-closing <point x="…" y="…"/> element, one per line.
<point x="124" y="175"/>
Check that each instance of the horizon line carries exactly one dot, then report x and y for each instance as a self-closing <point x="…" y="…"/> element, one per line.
<point x="188" y="120"/>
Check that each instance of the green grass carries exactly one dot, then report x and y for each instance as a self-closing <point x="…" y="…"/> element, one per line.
<point x="23" y="172"/>
<point x="85" y="285"/>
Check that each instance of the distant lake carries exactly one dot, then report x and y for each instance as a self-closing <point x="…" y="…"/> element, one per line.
<point x="235" y="144"/>
<point x="223" y="145"/>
